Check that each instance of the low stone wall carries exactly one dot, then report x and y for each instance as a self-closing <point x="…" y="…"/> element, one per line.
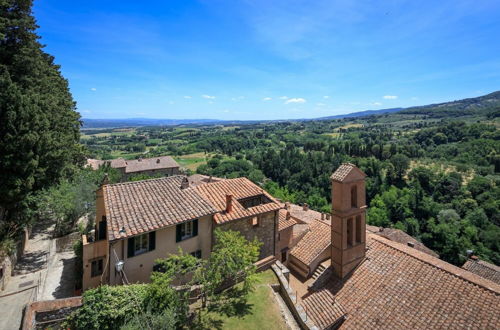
<point x="291" y="299"/>
<point x="49" y="312"/>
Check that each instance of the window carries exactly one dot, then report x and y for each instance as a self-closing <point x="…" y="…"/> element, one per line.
<point x="196" y="254"/>
<point x="96" y="268"/>
<point x="349" y="231"/>
<point x="186" y="230"/>
<point x="255" y="221"/>
<point x="358" y="229"/>
<point x="354" y="196"/>
<point x="141" y="244"/>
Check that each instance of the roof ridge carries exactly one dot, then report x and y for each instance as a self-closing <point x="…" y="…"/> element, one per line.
<point x="440" y="264"/>
<point x="145" y="180"/>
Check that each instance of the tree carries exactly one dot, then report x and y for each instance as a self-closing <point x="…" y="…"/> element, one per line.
<point x="401" y="164"/>
<point x="39" y="133"/>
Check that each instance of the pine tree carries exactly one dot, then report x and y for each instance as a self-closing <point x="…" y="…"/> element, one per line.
<point x="39" y="127"/>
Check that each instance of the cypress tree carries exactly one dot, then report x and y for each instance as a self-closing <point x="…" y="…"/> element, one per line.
<point x="39" y="125"/>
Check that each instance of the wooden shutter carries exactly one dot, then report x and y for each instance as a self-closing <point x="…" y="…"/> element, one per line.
<point x="152" y="240"/>
<point x="178" y="234"/>
<point x="130" y="248"/>
<point x="195" y="227"/>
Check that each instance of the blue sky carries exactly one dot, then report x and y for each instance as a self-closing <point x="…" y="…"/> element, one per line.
<point x="269" y="59"/>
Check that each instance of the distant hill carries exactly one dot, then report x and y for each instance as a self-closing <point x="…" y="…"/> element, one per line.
<point x="487" y="105"/>
<point x="361" y="114"/>
<point x="134" y="122"/>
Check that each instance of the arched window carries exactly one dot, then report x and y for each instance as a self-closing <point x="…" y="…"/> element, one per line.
<point x="354" y="196"/>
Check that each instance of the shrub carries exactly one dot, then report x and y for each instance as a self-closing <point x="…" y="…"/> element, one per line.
<point x="108" y="307"/>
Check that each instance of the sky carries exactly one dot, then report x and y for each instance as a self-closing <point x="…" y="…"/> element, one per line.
<point x="241" y="60"/>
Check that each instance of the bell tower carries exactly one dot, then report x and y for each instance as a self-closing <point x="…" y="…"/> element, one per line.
<point x="348" y="219"/>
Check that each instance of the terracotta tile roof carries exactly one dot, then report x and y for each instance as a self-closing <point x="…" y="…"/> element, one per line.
<point x="298" y="212"/>
<point x="115" y="163"/>
<point x="283" y="222"/>
<point x="398" y="287"/>
<point x="197" y="179"/>
<point x="148" y="164"/>
<point x="147" y="205"/>
<point x="240" y="188"/>
<point x="343" y="171"/>
<point x="483" y="269"/>
<point x="315" y="241"/>
<point x="400" y="236"/>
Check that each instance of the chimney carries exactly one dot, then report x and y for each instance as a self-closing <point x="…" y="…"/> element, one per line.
<point x="229" y="203"/>
<point x="287" y="205"/>
<point x="410" y="244"/>
<point x="209" y="179"/>
<point x="305" y="207"/>
<point x="328" y="216"/>
<point x="288" y="215"/>
<point x="322" y="216"/>
<point x="158" y="161"/>
<point x="185" y="183"/>
<point x="474" y="257"/>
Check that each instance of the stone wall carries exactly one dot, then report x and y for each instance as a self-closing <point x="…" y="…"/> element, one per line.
<point x="49" y="312"/>
<point x="266" y="232"/>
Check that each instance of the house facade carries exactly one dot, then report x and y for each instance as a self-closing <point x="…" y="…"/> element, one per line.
<point x="139" y="222"/>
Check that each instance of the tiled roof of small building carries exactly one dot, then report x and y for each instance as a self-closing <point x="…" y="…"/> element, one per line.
<point x="285" y="223"/>
<point x="398" y="287"/>
<point x="400" y="236"/>
<point x="148" y="164"/>
<point x="315" y="241"/>
<point x="148" y="205"/>
<point x="483" y="269"/>
<point x="115" y="163"/>
<point x="198" y="179"/>
<point x="239" y="188"/>
<point x="308" y="215"/>
<point x="343" y="171"/>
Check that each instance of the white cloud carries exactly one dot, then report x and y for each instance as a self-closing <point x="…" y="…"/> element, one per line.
<point x="209" y="97"/>
<point x="390" y="97"/>
<point x="87" y="111"/>
<point x="295" y="100"/>
<point x="326" y="97"/>
<point x="283" y="97"/>
<point x="93" y="89"/>
<point x="187" y="97"/>
<point x="376" y="103"/>
<point x="267" y="99"/>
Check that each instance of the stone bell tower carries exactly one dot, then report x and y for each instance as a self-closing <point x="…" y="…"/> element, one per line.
<point x="348" y="219"/>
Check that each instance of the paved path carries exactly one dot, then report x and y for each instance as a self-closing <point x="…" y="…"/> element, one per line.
<point x="40" y="274"/>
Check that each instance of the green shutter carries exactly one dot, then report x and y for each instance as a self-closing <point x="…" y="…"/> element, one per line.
<point x="178" y="234"/>
<point x="152" y="240"/>
<point x="130" y="248"/>
<point x="195" y="227"/>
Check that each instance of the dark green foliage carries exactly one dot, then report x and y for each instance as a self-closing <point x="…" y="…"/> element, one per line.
<point x="39" y="129"/>
<point x="109" y="307"/>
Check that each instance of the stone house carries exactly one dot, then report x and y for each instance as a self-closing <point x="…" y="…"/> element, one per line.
<point x="139" y="222"/>
<point x="164" y="165"/>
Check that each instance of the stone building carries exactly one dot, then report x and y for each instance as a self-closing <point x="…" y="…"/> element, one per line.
<point x="164" y="165"/>
<point x="139" y="222"/>
<point x="372" y="282"/>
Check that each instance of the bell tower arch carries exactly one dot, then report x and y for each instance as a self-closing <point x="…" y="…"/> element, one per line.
<point x="348" y="219"/>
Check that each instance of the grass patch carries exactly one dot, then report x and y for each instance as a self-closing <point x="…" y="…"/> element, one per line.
<point x="260" y="312"/>
<point x="192" y="161"/>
